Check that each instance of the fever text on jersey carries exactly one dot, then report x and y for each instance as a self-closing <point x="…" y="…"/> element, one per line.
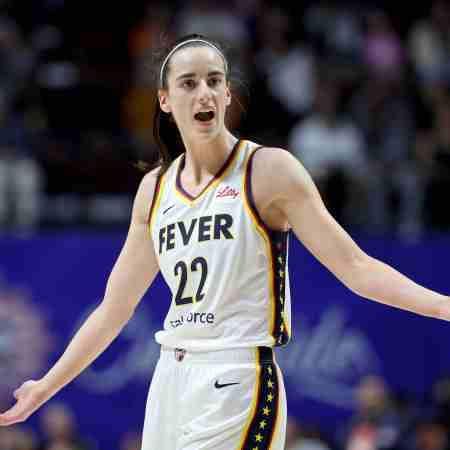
<point x="203" y="228"/>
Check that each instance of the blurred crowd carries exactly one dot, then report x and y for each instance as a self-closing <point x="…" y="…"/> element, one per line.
<point x="358" y="92"/>
<point x="382" y="420"/>
<point x="58" y="430"/>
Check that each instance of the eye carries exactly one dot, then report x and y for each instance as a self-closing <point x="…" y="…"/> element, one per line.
<point x="188" y="84"/>
<point x="214" y="81"/>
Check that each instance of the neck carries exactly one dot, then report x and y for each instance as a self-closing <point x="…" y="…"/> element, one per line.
<point x="205" y="159"/>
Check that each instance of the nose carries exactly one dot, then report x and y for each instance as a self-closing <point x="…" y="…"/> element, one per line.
<point x="204" y="92"/>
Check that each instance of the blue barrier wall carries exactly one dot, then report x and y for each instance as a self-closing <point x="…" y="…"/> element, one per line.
<point x="338" y="337"/>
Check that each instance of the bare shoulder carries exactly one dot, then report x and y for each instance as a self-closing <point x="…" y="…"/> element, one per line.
<point x="144" y="196"/>
<point x="149" y="180"/>
<point x="279" y="170"/>
<point x="268" y="157"/>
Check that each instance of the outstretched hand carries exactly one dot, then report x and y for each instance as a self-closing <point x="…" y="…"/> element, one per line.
<point x="30" y="397"/>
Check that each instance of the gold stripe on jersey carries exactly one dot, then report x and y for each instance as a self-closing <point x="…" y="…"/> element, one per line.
<point x="223" y="172"/>
<point x="156" y="201"/>
<point x="255" y="399"/>
<point x="260" y="429"/>
<point x="279" y="414"/>
<point x="276" y="246"/>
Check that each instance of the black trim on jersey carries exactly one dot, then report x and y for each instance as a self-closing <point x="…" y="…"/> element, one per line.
<point x="217" y="175"/>
<point x="155" y="196"/>
<point x="263" y="423"/>
<point x="278" y="244"/>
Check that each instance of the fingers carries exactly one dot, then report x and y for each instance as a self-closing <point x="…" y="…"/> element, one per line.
<point x="17" y="393"/>
<point x="27" y="402"/>
<point x="22" y="389"/>
<point x="11" y="416"/>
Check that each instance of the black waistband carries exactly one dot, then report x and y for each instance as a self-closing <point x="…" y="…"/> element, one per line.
<point x="265" y="355"/>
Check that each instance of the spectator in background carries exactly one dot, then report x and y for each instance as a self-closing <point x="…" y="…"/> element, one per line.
<point x="382" y="110"/>
<point x="333" y="150"/>
<point x="60" y="430"/>
<point x="439" y="158"/>
<point x="58" y="82"/>
<point x="16" y="60"/>
<point x="17" y="438"/>
<point x="335" y="32"/>
<point x="300" y="437"/>
<point x="130" y="441"/>
<point x="292" y="431"/>
<point x="377" y="424"/>
<point x="21" y="178"/>
<point x="220" y="21"/>
<point x="284" y="76"/>
<point x="431" y="435"/>
<point x="441" y="401"/>
<point x="429" y="48"/>
<point x="384" y="55"/>
<point x="138" y="103"/>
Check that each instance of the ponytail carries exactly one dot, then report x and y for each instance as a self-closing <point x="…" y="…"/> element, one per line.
<point x="167" y="138"/>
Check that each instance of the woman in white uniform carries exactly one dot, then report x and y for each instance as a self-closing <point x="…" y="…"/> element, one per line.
<point x="214" y="218"/>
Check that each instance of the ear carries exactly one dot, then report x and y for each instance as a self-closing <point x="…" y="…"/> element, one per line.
<point x="228" y="96"/>
<point x="163" y="98"/>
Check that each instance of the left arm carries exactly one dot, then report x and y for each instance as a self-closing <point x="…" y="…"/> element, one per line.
<point x="298" y="199"/>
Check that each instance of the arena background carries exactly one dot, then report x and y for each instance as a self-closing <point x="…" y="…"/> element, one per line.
<point x="359" y="92"/>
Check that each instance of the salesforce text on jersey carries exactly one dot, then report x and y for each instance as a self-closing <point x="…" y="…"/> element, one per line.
<point x="197" y="318"/>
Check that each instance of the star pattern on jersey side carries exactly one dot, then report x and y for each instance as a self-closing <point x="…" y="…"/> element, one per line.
<point x="260" y="436"/>
<point x="280" y="329"/>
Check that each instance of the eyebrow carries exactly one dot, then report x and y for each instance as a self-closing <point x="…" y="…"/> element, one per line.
<point x="192" y="74"/>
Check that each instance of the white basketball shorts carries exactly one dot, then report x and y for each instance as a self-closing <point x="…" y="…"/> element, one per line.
<point x="224" y="400"/>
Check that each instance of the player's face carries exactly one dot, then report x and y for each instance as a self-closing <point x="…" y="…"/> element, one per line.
<point x="198" y="93"/>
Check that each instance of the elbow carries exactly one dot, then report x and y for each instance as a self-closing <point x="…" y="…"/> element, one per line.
<point x="117" y="314"/>
<point x="357" y="276"/>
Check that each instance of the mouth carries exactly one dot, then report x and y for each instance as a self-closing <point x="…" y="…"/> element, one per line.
<point x="204" y="116"/>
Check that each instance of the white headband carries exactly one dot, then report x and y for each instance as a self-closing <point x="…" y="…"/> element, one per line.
<point x="182" y="44"/>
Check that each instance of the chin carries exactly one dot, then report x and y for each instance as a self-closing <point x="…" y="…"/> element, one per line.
<point x="209" y="133"/>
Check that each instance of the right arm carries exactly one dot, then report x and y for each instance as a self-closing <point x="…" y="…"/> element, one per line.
<point x="132" y="274"/>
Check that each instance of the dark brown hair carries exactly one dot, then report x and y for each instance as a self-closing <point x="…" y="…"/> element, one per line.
<point x="165" y="130"/>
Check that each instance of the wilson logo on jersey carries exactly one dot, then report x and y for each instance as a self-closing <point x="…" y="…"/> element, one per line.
<point x="227" y="191"/>
<point x="203" y="228"/>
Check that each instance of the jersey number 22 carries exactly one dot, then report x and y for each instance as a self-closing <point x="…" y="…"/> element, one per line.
<point x="181" y="268"/>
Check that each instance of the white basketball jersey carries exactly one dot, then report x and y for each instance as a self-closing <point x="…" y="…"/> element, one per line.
<point x="226" y="269"/>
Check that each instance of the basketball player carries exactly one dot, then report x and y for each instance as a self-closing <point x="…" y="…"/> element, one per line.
<point x="214" y="218"/>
